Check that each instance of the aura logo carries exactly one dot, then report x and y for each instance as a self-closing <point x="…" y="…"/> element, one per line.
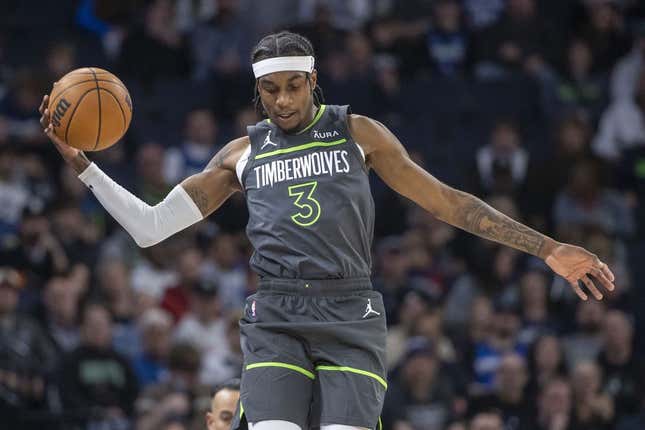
<point x="325" y="134"/>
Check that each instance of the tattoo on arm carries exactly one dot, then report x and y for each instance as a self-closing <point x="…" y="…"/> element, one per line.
<point x="477" y="217"/>
<point x="219" y="158"/>
<point x="199" y="197"/>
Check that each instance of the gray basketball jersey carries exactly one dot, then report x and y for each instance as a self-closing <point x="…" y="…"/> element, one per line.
<point x="311" y="212"/>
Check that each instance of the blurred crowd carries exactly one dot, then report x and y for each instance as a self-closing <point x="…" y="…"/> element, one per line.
<point x="537" y="106"/>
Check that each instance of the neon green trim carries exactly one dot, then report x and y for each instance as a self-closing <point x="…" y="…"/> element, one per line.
<point x="321" y="109"/>
<point x="354" y="370"/>
<point x="241" y="409"/>
<point x="313" y="210"/>
<point x="380" y="423"/>
<point x="319" y="114"/>
<point x="300" y="148"/>
<point x="298" y="369"/>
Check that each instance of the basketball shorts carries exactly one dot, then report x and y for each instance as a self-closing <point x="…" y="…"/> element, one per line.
<point x="314" y="353"/>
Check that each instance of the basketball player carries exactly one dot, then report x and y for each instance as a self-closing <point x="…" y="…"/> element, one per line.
<point x="223" y="405"/>
<point x="313" y="336"/>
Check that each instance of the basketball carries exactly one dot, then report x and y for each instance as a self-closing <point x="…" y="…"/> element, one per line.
<point x="90" y="109"/>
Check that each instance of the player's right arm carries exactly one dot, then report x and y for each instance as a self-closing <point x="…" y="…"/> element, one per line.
<point x="188" y="203"/>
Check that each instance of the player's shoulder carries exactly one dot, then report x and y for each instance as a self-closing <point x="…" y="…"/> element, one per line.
<point x="230" y="154"/>
<point x="369" y="133"/>
<point x="365" y="128"/>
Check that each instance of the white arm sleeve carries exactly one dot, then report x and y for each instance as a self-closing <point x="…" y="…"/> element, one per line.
<point x="148" y="225"/>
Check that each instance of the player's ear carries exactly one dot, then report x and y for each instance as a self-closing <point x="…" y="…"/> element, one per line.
<point x="210" y="420"/>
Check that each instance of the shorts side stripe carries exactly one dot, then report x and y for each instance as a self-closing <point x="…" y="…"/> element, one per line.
<point x="242" y="410"/>
<point x="354" y="370"/>
<point x="293" y="367"/>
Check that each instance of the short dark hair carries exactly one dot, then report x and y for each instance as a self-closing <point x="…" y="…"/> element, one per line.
<point x="282" y="44"/>
<point x="231" y="384"/>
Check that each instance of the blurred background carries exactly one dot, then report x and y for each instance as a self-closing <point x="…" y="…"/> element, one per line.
<point x="537" y="106"/>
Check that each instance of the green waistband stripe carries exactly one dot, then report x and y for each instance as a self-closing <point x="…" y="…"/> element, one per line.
<point x="320" y="112"/>
<point x="301" y="148"/>
<point x="293" y="367"/>
<point x="354" y="370"/>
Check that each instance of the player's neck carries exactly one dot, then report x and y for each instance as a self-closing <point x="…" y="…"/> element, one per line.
<point x="308" y="118"/>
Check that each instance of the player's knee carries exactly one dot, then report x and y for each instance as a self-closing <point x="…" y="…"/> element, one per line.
<point x="341" y="427"/>
<point x="274" y="425"/>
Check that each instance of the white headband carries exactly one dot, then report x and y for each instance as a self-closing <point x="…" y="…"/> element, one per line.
<point x="283" y="64"/>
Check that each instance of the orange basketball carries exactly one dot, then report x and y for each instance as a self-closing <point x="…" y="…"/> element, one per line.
<point x="90" y="109"/>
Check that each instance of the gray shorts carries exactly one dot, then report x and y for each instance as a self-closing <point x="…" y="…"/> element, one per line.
<point x="314" y="353"/>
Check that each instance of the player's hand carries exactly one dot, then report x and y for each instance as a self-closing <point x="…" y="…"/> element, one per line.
<point x="575" y="264"/>
<point x="71" y="155"/>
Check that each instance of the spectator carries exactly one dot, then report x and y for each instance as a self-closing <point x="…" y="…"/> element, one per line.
<point x="38" y="253"/>
<point x="393" y="275"/>
<point x="157" y="49"/>
<point x="120" y="299"/>
<point x="623" y="373"/>
<point x="17" y="108"/>
<point x="447" y="42"/>
<point x="176" y="299"/>
<point x="152" y="186"/>
<point x="502" y="164"/>
<point x="322" y="33"/>
<point x="414" y="305"/>
<point x="204" y="326"/>
<point x="61" y="59"/>
<point x="429" y="326"/>
<point x="510" y="394"/>
<point x="479" y="329"/>
<point x="624" y="77"/>
<point x="483" y="13"/>
<point x="534" y="303"/>
<point x="222" y="44"/>
<point x="487" y="420"/>
<point x="191" y="13"/>
<point x="605" y="33"/>
<point x="489" y="353"/>
<point x="179" y="397"/>
<point x="150" y="365"/>
<point x="223" y="405"/>
<point x="61" y="298"/>
<point x="622" y="125"/>
<point x="14" y="195"/>
<point x="421" y="396"/>
<point x="96" y="381"/>
<point x="585" y="342"/>
<point x="513" y="43"/>
<point x="227" y="364"/>
<point x="77" y="235"/>
<point x="546" y="363"/>
<point x="223" y="265"/>
<point x="359" y="49"/>
<point x="197" y="149"/>
<point x="26" y="356"/>
<point x="592" y="409"/>
<point x="572" y="145"/>
<point x="554" y="406"/>
<point x="586" y="203"/>
<point x="580" y="89"/>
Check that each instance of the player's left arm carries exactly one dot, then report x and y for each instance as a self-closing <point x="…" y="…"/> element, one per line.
<point x="387" y="156"/>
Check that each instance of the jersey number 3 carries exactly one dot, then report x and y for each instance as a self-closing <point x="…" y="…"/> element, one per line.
<point x="309" y="207"/>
